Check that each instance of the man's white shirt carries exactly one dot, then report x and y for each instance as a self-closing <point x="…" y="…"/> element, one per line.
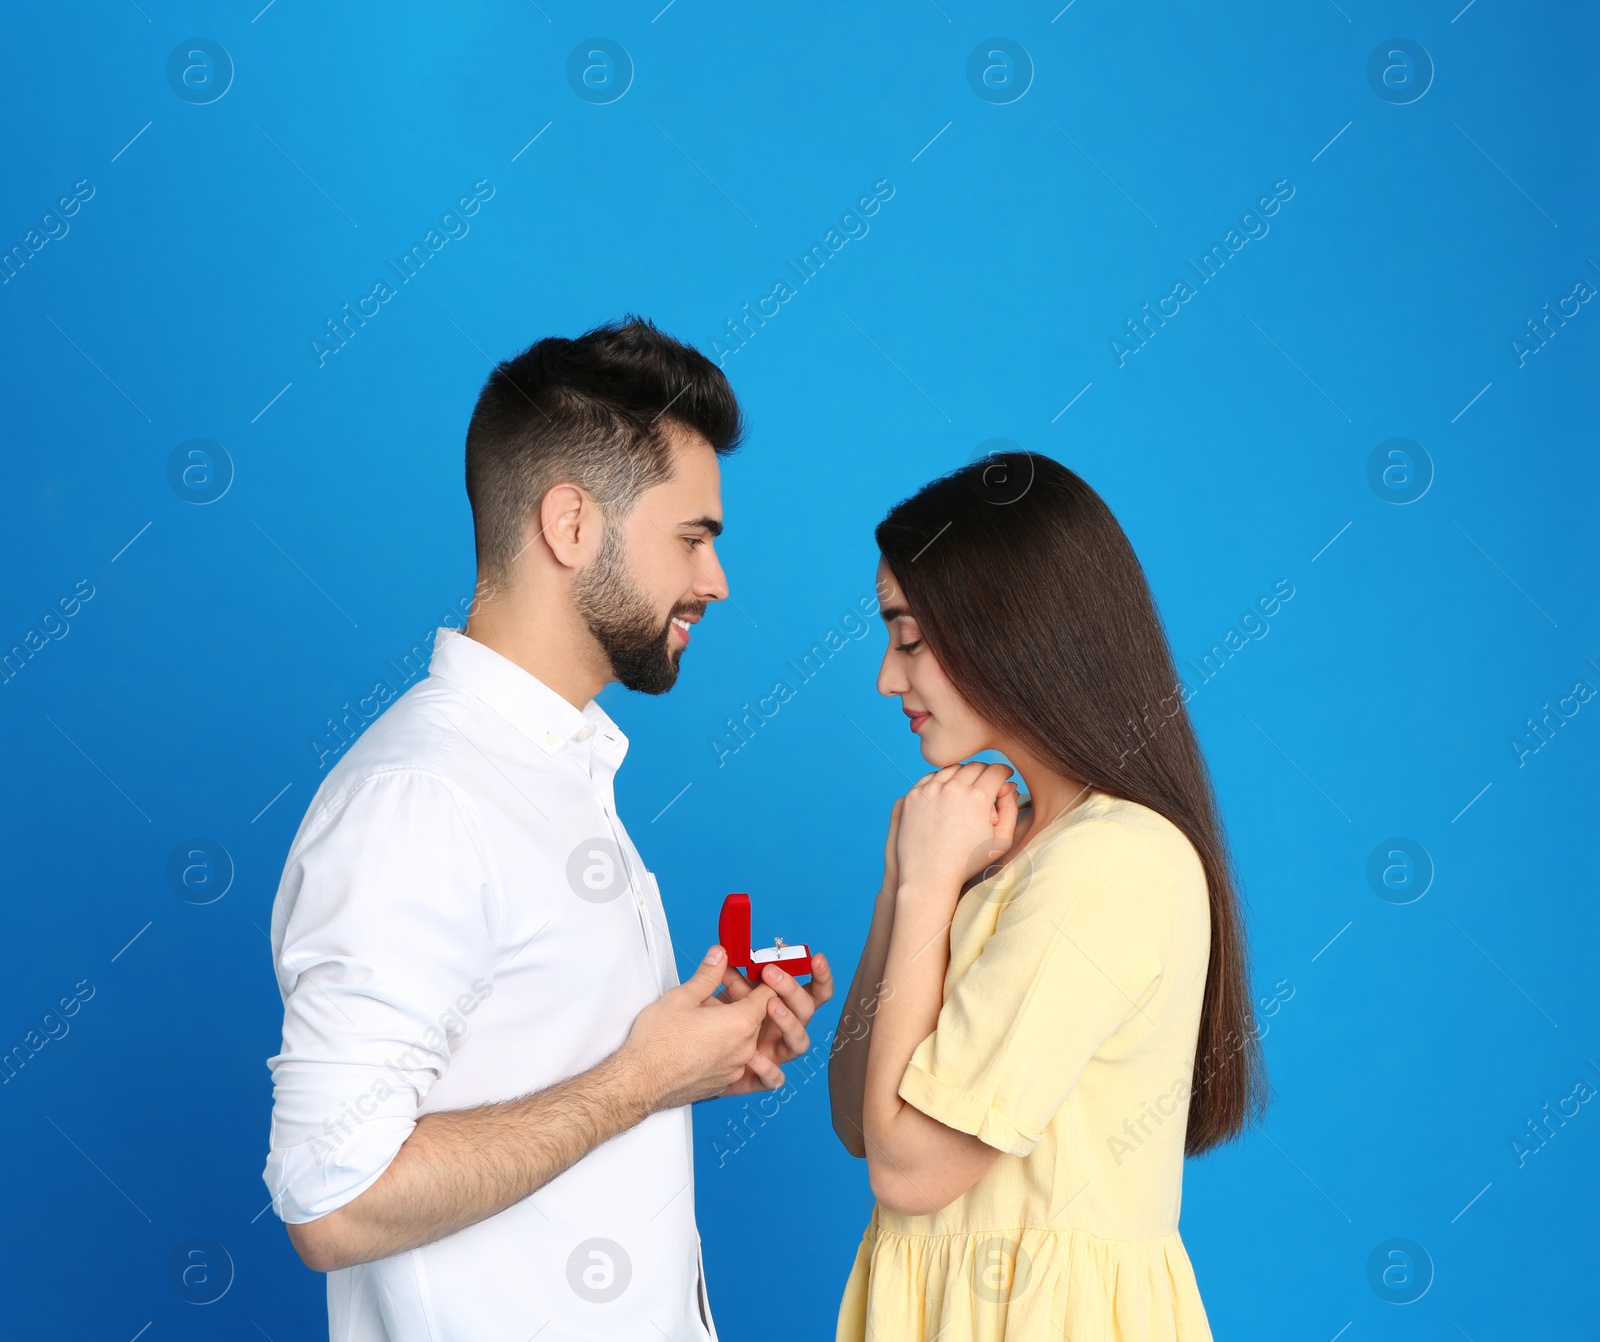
<point x="463" y="919"/>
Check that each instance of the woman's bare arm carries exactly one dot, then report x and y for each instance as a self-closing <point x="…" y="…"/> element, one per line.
<point x="917" y="1164"/>
<point x="847" y="1064"/>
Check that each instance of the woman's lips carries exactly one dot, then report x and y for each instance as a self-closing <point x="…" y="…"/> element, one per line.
<point x="917" y="719"/>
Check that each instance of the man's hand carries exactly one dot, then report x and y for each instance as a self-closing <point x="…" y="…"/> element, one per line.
<point x="788" y="1012"/>
<point x="690" y="1045"/>
<point x="460" y="1166"/>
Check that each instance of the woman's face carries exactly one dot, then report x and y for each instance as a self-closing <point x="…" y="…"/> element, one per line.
<point x="949" y="731"/>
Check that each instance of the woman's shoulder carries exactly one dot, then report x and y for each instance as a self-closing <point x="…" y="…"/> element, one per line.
<point x="1123" y="839"/>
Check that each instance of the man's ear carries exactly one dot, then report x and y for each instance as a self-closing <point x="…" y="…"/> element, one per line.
<point x="570" y="525"/>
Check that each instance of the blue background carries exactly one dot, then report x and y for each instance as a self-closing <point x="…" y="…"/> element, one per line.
<point x="183" y="698"/>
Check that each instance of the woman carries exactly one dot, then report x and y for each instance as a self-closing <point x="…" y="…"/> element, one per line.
<point x="1052" y="1007"/>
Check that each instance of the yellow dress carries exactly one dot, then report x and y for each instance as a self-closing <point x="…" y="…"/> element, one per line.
<point x="1066" y="1040"/>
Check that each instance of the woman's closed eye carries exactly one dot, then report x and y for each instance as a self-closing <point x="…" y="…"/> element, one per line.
<point x="908" y="647"/>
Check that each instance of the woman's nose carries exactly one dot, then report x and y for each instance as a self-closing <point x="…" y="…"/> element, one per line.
<point x="890" y="680"/>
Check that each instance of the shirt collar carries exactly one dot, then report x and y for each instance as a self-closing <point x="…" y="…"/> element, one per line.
<point x="524" y="700"/>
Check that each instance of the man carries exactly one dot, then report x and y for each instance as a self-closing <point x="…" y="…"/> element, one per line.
<point x="480" y="1125"/>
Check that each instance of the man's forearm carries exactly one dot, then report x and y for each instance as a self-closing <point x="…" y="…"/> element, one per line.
<point x="459" y="1167"/>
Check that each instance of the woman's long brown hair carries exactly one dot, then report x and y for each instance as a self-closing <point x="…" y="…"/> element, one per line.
<point x="1029" y="594"/>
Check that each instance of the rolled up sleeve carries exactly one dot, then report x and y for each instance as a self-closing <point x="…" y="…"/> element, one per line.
<point x="1077" y="951"/>
<point x="383" y="936"/>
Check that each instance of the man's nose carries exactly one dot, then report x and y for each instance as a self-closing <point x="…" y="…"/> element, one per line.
<point x="711" y="583"/>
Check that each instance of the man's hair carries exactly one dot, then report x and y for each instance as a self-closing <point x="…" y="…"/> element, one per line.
<point x="592" y="412"/>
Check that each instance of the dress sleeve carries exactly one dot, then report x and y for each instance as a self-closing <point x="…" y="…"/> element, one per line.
<point x="1077" y="952"/>
<point x="383" y="933"/>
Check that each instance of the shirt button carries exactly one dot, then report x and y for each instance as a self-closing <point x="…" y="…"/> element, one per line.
<point x="584" y="733"/>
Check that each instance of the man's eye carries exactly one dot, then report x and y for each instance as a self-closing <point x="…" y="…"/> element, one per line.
<point x="695" y="540"/>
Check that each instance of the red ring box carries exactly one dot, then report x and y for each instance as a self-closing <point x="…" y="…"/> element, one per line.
<point x="733" y="932"/>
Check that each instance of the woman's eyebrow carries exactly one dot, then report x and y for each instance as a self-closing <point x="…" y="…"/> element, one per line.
<point x="892" y="613"/>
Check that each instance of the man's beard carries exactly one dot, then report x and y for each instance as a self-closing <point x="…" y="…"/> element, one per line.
<point x="633" y="637"/>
